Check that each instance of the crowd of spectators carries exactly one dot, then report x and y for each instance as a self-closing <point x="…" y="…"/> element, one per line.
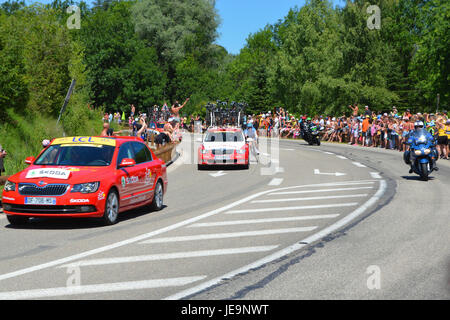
<point x="163" y="124"/>
<point x="364" y="128"/>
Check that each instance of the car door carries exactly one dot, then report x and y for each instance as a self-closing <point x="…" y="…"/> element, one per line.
<point x="147" y="172"/>
<point x="127" y="177"/>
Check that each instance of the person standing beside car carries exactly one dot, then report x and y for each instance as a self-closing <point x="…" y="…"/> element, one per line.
<point x="3" y="154"/>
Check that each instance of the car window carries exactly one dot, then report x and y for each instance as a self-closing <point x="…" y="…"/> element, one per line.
<point x="125" y="152"/>
<point x="142" y="153"/>
<point x="224" y="136"/>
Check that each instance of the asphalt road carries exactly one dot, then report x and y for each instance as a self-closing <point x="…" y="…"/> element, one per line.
<point x="328" y="222"/>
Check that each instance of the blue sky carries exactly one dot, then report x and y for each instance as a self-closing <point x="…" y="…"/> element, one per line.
<point x="239" y="18"/>
<point x="242" y="17"/>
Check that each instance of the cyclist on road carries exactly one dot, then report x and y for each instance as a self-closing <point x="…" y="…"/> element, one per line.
<point x="250" y="132"/>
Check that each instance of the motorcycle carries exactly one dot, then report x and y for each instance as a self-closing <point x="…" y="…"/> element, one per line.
<point x="312" y="135"/>
<point x="422" y="154"/>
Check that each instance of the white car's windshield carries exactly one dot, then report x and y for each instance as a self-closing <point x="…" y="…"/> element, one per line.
<point x="70" y="155"/>
<point x="224" y="136"/>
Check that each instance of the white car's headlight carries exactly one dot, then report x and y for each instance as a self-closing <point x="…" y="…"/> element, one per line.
<point x="10" y="186"/>
<point x="88" y="187"/>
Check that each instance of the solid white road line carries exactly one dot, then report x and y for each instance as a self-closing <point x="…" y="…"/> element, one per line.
<point x="359" y="164"/>
<point x="269" y="220"/>
<point x="311" y="198"/>
<point x="375" y="175"/>
<point x="98" y="288"/>
<point x="320" y="190"/>
<point x="229" y="235"/>
<point x="319" y="206"/>
<point x="275" y="182"/>
<point x="296" y="246"/>
<point x="167" y="256"/>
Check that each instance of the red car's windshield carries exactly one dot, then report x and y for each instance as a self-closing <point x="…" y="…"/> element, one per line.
<point x="70" y="155"/>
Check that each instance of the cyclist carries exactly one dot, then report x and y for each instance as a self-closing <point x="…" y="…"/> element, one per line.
<point x="250" y="132"/>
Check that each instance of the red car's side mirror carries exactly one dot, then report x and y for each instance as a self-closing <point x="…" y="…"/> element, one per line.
<point x="127" y="163"/>
<point x="30" y="160"/>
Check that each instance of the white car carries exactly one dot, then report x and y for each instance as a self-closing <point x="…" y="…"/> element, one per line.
<point x="224" y="146"/>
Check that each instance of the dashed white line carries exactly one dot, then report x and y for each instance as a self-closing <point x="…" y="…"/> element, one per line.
<point x="375" y="175"/>
<point x="342" y="157"/>
<point x="275" y="182"/>
<point x="360" y="165"/>
<point x="229" y="235"/>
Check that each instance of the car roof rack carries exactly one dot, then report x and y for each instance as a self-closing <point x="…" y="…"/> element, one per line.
<point x="225" y="114"/>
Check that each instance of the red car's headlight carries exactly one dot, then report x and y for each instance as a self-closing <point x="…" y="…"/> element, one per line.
<point x="88" y="187"/>
<point x="10" y="186"/>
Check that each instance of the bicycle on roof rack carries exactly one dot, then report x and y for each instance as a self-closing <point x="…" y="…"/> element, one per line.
<point x="224" y="113"/>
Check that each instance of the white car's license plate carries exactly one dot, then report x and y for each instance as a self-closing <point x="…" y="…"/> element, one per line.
<point x="222" y="157"/>
<point x="40" y="200"/>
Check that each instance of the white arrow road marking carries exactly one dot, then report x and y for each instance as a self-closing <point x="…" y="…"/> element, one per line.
<point x="97" y="288"/>
<point x="229" y="235"/>
<point x="375" y="175"/>
<point x="167" y="256"/>
<point x="337" y="174"/>
<point x="218" y="174"/>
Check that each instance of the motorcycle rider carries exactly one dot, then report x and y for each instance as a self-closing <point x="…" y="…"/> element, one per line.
<point x="303" y="128"/>
<point x="418" y="131"/>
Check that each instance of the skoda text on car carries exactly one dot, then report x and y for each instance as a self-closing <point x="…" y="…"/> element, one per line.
<point x="86" y="177"/>
<point x="223" y="146"/>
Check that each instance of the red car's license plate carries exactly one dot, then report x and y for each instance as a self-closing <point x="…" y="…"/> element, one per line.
<point x="40" y="201"/>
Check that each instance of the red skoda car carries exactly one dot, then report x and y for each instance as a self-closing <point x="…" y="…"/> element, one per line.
<point x="86" y="177"/>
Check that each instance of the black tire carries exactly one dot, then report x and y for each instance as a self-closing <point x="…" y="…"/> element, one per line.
<point x="158" y="197"/>
<point x="111" y="214"/>
<point x="424" y="171"/>
<point x="17" y="220"/>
